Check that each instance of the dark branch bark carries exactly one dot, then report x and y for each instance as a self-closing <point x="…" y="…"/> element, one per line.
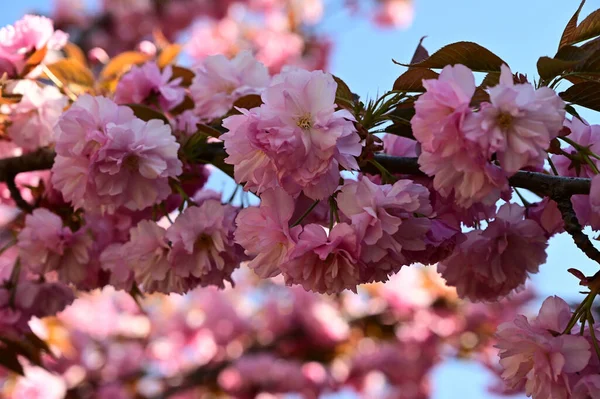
<point x="41" y="159"/>
<point x="574" y="228"/>
<point x="539" y="183"/>
<point x="15" y="193"/>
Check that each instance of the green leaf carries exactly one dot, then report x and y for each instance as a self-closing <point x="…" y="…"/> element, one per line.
<point x="470" y="54"/>
<point x="412" y="79"/>
<point x="569" y="31"/>
<point x="146" y="113"/>
<point x="586" y="94"/>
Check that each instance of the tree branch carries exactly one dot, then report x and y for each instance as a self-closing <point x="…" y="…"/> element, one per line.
<point x="41" y="159"/>
<point x="539" y="183"/>
<point x="574" y="228"/>
<point x="15" y="193"/>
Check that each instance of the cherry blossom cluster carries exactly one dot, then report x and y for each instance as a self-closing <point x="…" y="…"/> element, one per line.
<point x="106" y="346"/>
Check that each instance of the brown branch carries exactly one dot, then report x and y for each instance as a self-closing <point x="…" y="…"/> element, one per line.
<point x="41" y="159"/>
<point x="574" y="228"/>
<point x="539" y="183"/>
<point x="15" y="193"/>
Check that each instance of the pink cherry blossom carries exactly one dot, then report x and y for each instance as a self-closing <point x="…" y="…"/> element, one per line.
<point x="214" y="37"/>
<point x="440" y="241"/>
<point x="531" y="351"/>
<point x="324" y="263"/>
<point x="27" y="35"/>
<point x="39" y="384"/>
<point x="219" y="82"/>
<point x="491" y="263"/>
<point x="450" y="92"/>
<point x="265" y="373"/>
<point x="43" y="299"/>
<point x="107" y="158"/>
<point x="46" y="245"/>
<point x="112" y="260"/>
<point x="587" y="388"/>
<point x="202" y="243"/>
<point x="459" y="166"/>
<point x="585" y="135"/>
<point x="301" y="105"/>
<point x="519" y="123"/>
<point x="399" y="146"/>
<point x="547" y="215"/>
<point x="395" y="13"/>
<point x="277" y="48"/>
<point x="382" y="214"/>
<point x="34" y="117"/>
<point x="264" y="233"/>
<point x="146" y="254"/>
<point x="148" y="84"/>
<point x="186" y="122"/>
<point x="296" y="135"/>
<point x="249" y="147"/>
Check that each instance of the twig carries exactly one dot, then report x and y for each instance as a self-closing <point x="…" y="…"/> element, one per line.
<point x="15" y="193"/>
<point x="574" y="228"/>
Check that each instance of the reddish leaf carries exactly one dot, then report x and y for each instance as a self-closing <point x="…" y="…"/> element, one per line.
<point x="479" y="97"/>
<point x="569" y="31"/>
<point x="586" y="94"/>
<point x="548" y="68"/>
<point x="70" y="71"/>
<point x="343" y="91"/>
<point x="587" y="29"/>
<point x="160" y="39"/>
<point x="9" y="359"/>
<point x="470" y="54"/>
<point x="146" y="113"/>
<point x="421" y="53"/>
<point x="490" y="80"/>
<point x="122" y="63"/>
<point x="185" y="74"/>
<point x="74" y="52"/>
<point x="412" y="79"/>
<point x="187" y="104"/>
<point x="250" y="101"/>
<point x="168" y="55"/>
<point x="34" y="60"/>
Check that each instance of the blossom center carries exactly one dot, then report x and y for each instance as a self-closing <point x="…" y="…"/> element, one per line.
<point x="203" y="242"/>
<point x="304" y="122"/>
<point x="504" y="121"/>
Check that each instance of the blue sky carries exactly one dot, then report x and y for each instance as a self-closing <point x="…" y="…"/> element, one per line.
<point x="519" y="31"/>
